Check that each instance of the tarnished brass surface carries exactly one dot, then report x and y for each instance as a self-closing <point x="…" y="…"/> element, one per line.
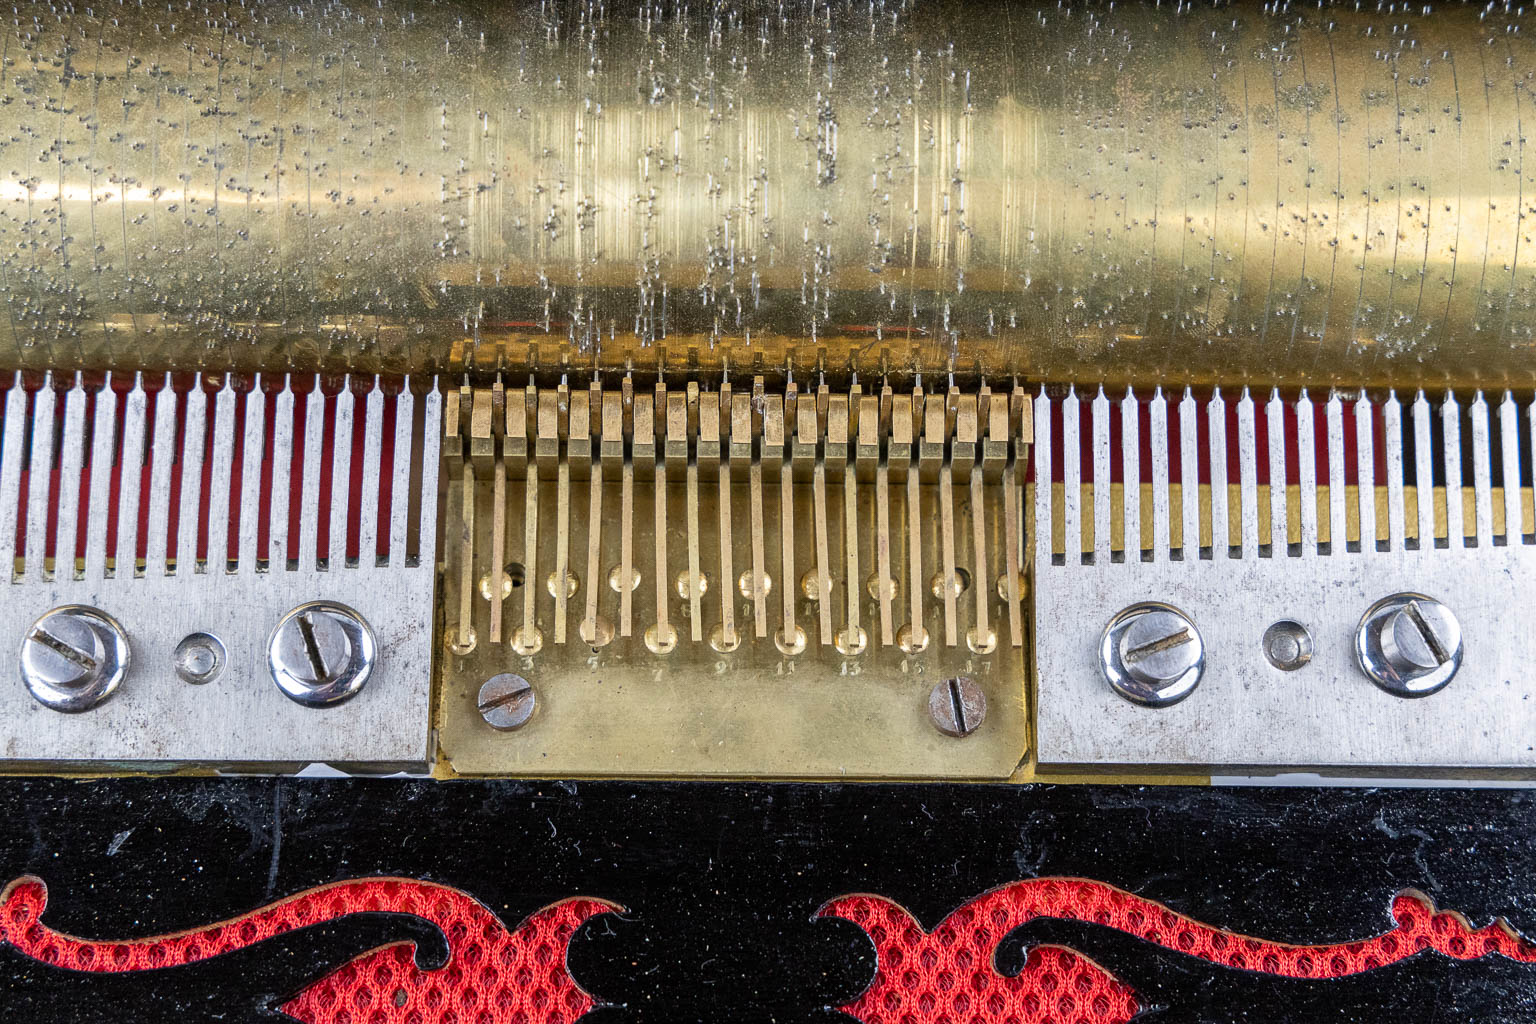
<point x="816" y="672"/>
<point x="1098" y="193"/>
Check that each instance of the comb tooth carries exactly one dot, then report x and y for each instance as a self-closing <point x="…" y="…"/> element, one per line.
<point x="1392" y="431"/>
<point x="935" y="438"/>
<point x="428" y="459"/>
<point x="1365" y="471"/>
<point x="1531" y="413"/>
<point x="563" y="526"/>
<point x="1071" y="475"/>
<point x="282" y="478"/>
<point x="1509" y="448"/>
<point x="1101" y="483"/>
<point x="1306" y="462"/>
<point x="368" y="498"/>
<point x="665" y="631"/>
<point x="1423" y="473"/>
<point x="589" y="632"/>
<point x="10" y="473"/>
<point x="1011" y="530"/>
<point x="38" y="479"/>
<point x="1161" y="543"/>
<point x="627" y="537"/>
<point x="1189" y="474"/>
<point x="1450" y="418"/>
<point x="130" y="480"/>
<point x="400" y="485"/>
<point x="1043" y="519"/>
<point x="853" y="631"/>
<point x="71" y="463"/>
<point x="222" y="450"/>
<point x="1337" y="525"/>
<point x="191" y="478"/>
<point x="341" y="478"/>
<point x="1279" y="517"/>
<point x="1216" y="420"/>
<point x="103" y="426"/>
<point x="789" y="631"/>
<point x="309" y="484"/>
<point x="1482" y="469"/>
<point x="679" y="442"/>
<point x="253" y="448"/>
<point x="1248" y="473"/>
<point x="1130" y="472"/>
<point x="523" y="638"/>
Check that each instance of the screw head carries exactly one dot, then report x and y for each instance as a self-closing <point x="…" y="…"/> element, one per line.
<point x="321" y="653"/>
<point x="1152" y="654"/>
<point x="957" y="706"/>
<point x="74" y="657"/>
<point x="506" y="701"/>
<point x="1287" y="645"/>
<point x="1409" y="645"/>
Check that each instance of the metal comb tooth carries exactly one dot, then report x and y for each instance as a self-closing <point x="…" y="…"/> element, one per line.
<point x="1251" y="543"/>
<point x="1365" y="471"/>
<point x="1509" y="448"/>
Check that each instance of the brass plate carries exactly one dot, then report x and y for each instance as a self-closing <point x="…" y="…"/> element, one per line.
<point x="623" y="710"/>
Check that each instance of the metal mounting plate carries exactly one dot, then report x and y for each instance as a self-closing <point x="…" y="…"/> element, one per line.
<point x="1246" y="712"/>
<point x="241" y="717"/>
<point x="104" y="449"/>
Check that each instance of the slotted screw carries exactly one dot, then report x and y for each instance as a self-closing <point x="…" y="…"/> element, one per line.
<point x="74" y="657"/>
<point x="1409" y="645"/>
<point x="321" y="653"/>
<point x="506" y="701"/>
<point x="1152" y="654"/>
<point x="957" y="706"/>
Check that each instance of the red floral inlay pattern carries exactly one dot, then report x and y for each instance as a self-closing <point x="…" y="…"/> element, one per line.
<point x="493" y="975"/>
<point x="947" y="976"/>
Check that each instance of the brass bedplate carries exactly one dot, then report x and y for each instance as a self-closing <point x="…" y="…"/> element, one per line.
<point x="742" y="645"/>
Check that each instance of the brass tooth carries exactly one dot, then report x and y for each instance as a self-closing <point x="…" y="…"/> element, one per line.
<point x="498" y="509"/>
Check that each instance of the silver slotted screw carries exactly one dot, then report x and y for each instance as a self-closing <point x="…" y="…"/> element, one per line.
<point x="957" y="706"/>
<point x="506" y="701"/>
<point x="1409" y="645"/>
<point x="321" y="653"/>
<point x="1152" y="654"/>
<point x="74" y="657"/>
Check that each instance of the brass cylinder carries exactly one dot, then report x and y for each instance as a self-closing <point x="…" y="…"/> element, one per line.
<point x="1120" y="194"/>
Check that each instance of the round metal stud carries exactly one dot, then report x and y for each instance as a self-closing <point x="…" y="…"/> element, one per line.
<point x="74" y="657"/>
<point x="199" y="658"/>
<point x="1409" y="645"/>
<point x="1287" y="645"/>
<point x="1152" y="654"/>
<point x="321" y="653"/>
